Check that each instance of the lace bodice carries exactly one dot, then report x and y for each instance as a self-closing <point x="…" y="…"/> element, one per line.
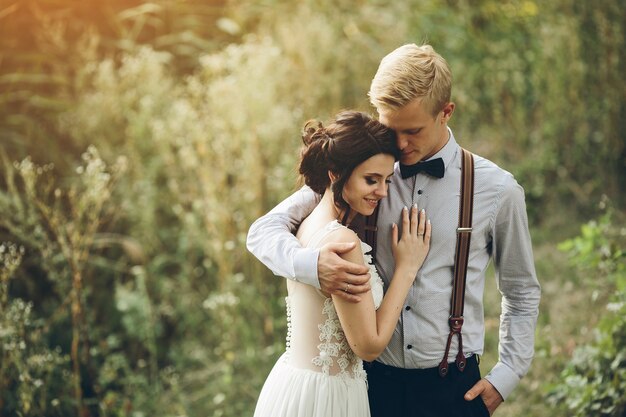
<point x="315" y="339"/>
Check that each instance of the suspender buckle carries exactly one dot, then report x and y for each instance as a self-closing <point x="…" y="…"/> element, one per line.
<point x="455" y="324"/>
<point x="464" y="230"/>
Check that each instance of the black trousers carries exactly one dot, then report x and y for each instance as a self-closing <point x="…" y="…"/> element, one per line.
<point x="397" y="392"/>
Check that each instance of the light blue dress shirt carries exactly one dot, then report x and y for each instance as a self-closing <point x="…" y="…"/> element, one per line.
<point x="500" y="232"/>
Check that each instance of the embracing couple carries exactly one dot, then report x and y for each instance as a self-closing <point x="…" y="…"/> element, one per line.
<point x="370" y="249"/>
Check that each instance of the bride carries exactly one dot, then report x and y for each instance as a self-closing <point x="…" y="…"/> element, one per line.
<point x="350" y="163"/>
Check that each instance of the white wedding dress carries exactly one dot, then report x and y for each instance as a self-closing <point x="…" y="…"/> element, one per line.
<point x="318" y="375"/>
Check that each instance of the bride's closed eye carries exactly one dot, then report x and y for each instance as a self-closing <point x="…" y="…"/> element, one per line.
<point x="372" y="181"/>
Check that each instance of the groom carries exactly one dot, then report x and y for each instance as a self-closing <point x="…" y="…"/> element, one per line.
<point x="411" y="92"/>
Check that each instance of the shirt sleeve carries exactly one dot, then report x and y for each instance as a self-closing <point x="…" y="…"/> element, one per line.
<point x="271" y="239"/>
<point x="520" y="289"/>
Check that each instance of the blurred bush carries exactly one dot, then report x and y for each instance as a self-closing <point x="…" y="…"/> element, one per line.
<point x="594" y="382"/>
<point x="150" y="135"/>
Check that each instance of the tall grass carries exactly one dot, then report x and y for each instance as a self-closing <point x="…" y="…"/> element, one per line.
<point x="171" y="126"/>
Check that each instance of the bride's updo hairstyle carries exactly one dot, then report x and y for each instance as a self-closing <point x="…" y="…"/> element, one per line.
<point x="349" y="140"/>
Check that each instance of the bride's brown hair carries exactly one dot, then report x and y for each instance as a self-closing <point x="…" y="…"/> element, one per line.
<point x="349" y="140"/>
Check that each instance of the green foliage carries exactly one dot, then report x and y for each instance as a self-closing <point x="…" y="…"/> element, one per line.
<point x="28" y="368"/>
<point x="57" y="224"/>
<point x="599" y="251"/>
<point x="150" y="136"/>
<point x="594" y="382"/>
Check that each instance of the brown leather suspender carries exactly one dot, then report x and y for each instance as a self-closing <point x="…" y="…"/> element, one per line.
<point x="464" y="234"/>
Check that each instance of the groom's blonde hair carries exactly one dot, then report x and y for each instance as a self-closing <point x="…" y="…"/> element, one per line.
<point x="408" y="73"/>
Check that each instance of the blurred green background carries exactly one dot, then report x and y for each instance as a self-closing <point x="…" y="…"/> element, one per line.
<point x="139" y="140"/>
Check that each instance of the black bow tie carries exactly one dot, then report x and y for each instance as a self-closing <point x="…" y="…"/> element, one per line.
<point x="433" y="167"/>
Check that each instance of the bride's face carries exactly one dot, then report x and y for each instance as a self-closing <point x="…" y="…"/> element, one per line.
<point x="368" y="183"/>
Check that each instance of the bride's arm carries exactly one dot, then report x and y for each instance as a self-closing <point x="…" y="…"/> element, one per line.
<point x="369" y="330"/>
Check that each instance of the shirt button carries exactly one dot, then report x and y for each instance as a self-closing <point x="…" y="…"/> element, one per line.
<point x="419" y="191"/>
<point x="407" y="308"/>
<point x="409" y="347"/>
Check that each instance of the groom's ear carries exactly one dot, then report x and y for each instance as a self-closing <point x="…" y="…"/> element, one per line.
<point x="332" y="177"/>
<point x="448" y="109"/>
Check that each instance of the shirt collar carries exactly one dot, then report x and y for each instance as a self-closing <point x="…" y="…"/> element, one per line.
<point x="448" y="151"/>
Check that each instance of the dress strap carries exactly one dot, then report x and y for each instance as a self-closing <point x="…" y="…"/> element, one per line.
<point x="322" y="233"/>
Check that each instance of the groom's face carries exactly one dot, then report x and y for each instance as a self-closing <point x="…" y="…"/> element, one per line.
<point x="419" y="134"/>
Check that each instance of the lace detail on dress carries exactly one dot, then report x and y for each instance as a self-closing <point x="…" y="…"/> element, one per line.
<point x="335" y="346"/>
<point x="333" y="355"/>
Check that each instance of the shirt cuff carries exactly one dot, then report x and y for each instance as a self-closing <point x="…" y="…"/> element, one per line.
<point x="305" y="266"/>
<point x="503" y="378"/>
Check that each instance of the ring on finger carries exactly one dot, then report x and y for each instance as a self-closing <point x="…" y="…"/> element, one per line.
<point x="347" y="288"/>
